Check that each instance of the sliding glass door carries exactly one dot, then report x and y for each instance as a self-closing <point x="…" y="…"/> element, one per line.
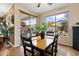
<point x="58" y="23"/>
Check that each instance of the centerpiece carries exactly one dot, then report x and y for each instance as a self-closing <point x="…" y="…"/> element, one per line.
<point x="41" y="30"/>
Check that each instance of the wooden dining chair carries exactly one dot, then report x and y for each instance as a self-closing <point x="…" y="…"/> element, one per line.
<point x="50" y="33"/>
<point x="28" y="46"/>
<point x="52" y="49"/>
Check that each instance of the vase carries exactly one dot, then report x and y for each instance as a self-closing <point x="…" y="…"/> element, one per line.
<point x="42" y="34"/>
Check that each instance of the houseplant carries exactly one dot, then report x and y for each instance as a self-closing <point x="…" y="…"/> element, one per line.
<point x="41" y="29"/>
<point x="4" y="29"/>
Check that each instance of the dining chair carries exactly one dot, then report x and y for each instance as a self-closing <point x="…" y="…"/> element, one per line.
<point x="52" y="49"/>
<point x="28" y="46"/>
<point x="50" y="34"/>
<point x="33" y="33"/>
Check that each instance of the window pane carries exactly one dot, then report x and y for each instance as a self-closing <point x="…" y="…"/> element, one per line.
<point x="62" y="22"/>
<point x="33" y="24"/>
<point x="27" y="22"/>
<point x="33" y="21"/>
<point x="61" y="17"/>
<point x="50" y="18"/>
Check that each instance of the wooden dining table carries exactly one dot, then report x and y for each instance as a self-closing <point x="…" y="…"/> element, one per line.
<point x="42" y="44"/>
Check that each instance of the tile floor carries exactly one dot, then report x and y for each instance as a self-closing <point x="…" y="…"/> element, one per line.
<point x="62" y="51"/>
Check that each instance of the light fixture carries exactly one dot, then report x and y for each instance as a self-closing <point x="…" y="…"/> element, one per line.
<point x="39" y="4"/>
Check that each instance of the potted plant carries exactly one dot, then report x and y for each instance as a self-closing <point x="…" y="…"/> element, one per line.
<point x="41" y="29"/>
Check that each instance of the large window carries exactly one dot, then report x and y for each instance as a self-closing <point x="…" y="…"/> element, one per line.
<point x="30" y="23"/>
<point x="58" y="23"/>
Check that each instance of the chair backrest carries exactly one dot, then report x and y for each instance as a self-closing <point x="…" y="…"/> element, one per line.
<point x="55" y="39"/>
<point x="27" y="45"/>
<point x="50" y="33"/>
<point x="54" y="44"/>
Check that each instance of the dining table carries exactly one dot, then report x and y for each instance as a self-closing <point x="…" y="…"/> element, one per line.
<point x="42" y="44"/>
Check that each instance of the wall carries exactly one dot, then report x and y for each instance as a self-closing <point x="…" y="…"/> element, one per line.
<point x="73" y="18"/>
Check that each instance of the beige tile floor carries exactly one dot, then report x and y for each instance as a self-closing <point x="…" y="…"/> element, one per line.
<point x="62" y="51"/>
<point x="67" y="51"/>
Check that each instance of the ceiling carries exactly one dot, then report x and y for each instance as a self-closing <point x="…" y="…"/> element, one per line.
<point x="4" y="7"/>
<point x="43" y="7"/>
